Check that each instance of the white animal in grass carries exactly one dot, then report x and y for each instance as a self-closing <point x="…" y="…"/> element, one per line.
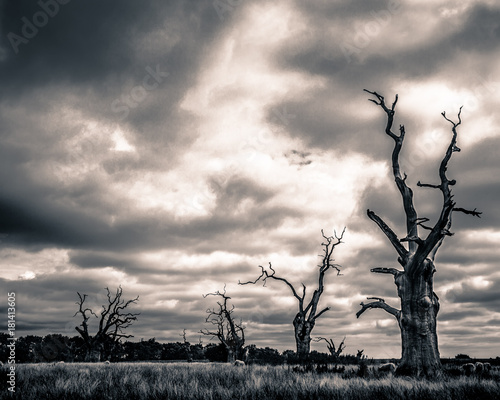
<point x="389" y="367"/>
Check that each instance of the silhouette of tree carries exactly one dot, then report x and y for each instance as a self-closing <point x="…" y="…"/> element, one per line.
<point x="334" y="351"/>
<point x="415" y="282"/>
<point x="308" y="313"/>
<point x="113" y="320"/>
<point x="230" y="333"/>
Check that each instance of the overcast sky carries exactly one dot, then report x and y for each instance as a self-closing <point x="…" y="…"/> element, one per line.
<point x="174" y="146"/>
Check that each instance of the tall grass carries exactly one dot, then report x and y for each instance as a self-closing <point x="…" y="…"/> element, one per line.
<point x="219" y="381"/>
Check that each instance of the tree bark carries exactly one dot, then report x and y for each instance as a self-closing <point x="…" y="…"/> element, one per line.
<point x="419" y="309"/>
<point x="303" y="330"/>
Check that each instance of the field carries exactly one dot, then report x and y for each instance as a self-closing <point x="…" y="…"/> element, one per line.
<point x="220" y="381"/>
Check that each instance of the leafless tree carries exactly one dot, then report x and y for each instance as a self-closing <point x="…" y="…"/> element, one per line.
<point x="187" y="346"/>
<point x="306" y="317"/>
<point x="415" y="282"/>
<point x="334" y="351"/>
<point x="360" y="356"/>
<point x="230" y="333"/>
<point x="113" y="320"/>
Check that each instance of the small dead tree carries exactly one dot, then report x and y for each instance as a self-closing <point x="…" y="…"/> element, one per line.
<point x="308" y="313"/>
<point x="187" y="346"/>
<point x="335" y="352"/>
<point x="415" y="282"/>
<point x="113" y="319"/>
<point x="230" y="333"/>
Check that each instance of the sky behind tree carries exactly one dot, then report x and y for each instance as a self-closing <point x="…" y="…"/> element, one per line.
<point x="174" y="146"/>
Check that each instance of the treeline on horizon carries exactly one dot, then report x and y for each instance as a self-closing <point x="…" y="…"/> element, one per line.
<point x="57" y="347"/>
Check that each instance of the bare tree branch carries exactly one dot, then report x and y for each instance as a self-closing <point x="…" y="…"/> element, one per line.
<point x="392" y="271"/>
<point x="379" y="303"/>
<point x="428" y="185"/>
<point x="469" y="212"/>
<point x="335" y="352"/>
<point x="406" y="192"/>
<point x="403" y="253"/>
<point x="264" y="275"/>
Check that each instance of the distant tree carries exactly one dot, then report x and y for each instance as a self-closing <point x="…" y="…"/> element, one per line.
<point x="113" y="320"/>
<point x="334" y="351"/>
<point x="148" y="350"/>
<point x="28" y="349"/>
<point x="415" y="282"/>
<point x="265" y="356"/>
<point x="216" y="352"/>
<point x="56" y="347"/>
<point x="229" y="332"/>
<point x="308" y="313"/>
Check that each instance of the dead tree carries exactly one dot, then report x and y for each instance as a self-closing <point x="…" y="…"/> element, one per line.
<point x="187" y="346"/>
<point x="230" y="333"/>
<point x="335" y="352"/>
<point x="306" y="317"/>
<point x="112" y="321"/>
<point x="416" y="253"/>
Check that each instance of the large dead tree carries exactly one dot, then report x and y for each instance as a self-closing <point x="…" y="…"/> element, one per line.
<point x="416" y="253"/>
<point x="230" y="333"/>
<point x="113" y="319"/>
<point x="308" y="313"/>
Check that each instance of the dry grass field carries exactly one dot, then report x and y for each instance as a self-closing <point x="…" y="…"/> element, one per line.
<point x="205" y="381"/>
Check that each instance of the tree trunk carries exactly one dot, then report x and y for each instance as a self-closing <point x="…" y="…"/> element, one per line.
<point x="302" y="335"/>
<point x="93" y="355"/>
<point x="231" y="355"/>
<point x="419" y="309"/>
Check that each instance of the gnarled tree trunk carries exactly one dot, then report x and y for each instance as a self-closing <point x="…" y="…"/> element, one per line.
<point x="419" y="309"/>
<point x="303" y="330"/>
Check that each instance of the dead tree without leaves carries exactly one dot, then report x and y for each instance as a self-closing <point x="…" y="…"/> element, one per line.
<point x="230" y="333"/>
<point x="113" y="320"/>
<point x="334" y="351"/>
<point x="308" y="313"/>
<point x="416" y="254"/>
